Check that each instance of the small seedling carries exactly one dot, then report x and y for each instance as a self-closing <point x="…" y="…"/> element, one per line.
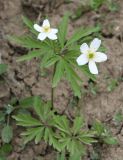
<point x="103" y="134"/>
<point x="112" y="85"/>
<point x="118" y="117"/>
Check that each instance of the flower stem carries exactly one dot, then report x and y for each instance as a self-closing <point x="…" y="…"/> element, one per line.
<point x="52" y="89"/>
<point x="52" y="97"/>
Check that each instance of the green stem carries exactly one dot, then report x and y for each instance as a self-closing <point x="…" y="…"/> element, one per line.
<point x="52" y="97"/>
<point x="52" y="89"/>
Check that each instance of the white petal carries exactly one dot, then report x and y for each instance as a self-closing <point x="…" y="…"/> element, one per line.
<point x="100" y="57"/>
<point x="84" y="48"/>
<point x="52" y="36"/>
<point x="46" y="23"/>
<point x="95" y="44"/>
<point x="82" y="59"/>
<point x="37" y="28"/>
<point x="42" y="36"/>
<point x="92" y="67"/>
<point x="54" y="30"/>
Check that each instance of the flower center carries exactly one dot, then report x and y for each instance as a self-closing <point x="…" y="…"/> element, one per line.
<point x="91" y="55"/>
<point x="46" y="29"/>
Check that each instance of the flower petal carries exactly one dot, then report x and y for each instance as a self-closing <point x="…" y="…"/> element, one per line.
<point x="92" y="67"/>
<point x="84" y="48"/>
<point x="42" y="36"/>
<point x="100" y="57"/>
<point x="54" y="30"/>
<point x="46" y="23"/>
<point x="52" y="36"/>
<point x="95" y="44"/>
<point x="37" y="28"/>
<point x="82" y="59"/>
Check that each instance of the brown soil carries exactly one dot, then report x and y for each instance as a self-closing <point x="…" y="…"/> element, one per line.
<point x="23" y="79"/>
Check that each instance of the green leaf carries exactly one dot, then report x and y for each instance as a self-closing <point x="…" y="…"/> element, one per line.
<point x="87" y="73"/>
<point x="112" y="85"/>
<point x="62" y="123"/>
<point x="78" y="124"/>
<point x="7" y="134"/>
<point x="39" y="135"/>
<point x="51" y="61"/>
<point x="61" y="156"/>
<point x="29" y="24"/>
<point x="47" y="113"/>
<point x="73" y="78"/>
<point x="33" y="133"/>
<point x="80" y="33"/>
<point x="30" y="55"/>
<point x="98" y="127"/>
<point x="26" y="41"/>
<point x="2" y="157"/>
<point x="75" y="157"/>
<point x="3" y="68"/>
<point x="95" y="4"/>
<point x="118" y="117"/>
<point x="5" y="150"/>
<point x="110" y="140"/>
<point x="38" y="104"/>
<point x="62" y="30"/>
<point x="87" y="140"/>
<point x="49" y="136"/>
<point x="87" y="137"/>
<point x="75" y="146"/>
<point x="27" y="102"/>
<point x="2" y="116"/>
<point x="59" y="71"/>
<point x="45" y="59"/>
<point x="26" y="120"/>
<point x="9" y="109"/>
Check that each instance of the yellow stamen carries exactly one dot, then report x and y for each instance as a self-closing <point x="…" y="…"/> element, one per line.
<point x="91" y="55"/>
<point x="46" y="29"/>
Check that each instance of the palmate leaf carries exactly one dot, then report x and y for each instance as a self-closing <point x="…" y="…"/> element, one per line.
<point x="29" y="24"/>
<point x="73" y="78"/>
<point x="33" y="133"/>
<point x="61" y="156"/>
<point x="30" y="55"/>
<point x="75" y="146"/>
<point x="26" y="41"/>
<point x="75" y="156"/>
<point x="98" y="127"/>
<point x="26" y="120"/>
<point x="43" y="110"/>
<point x="62" y="123"/>
<point x="38" y="106"/>
<point x="49" y="136"/>
<point x="82" y="32"/>
<point x="110" y="140"/>
<point x="51" y="60"/>
<point x="63" y="30"/>
<point x="27" y="102"/>
<point x="59" y="72"/>
<point x="49" y="53"/>
<point x="77" y="124"/>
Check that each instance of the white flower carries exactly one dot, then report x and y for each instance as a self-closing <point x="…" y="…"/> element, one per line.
<point x="46" y="31"/>
<point x="90" y="55"/>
